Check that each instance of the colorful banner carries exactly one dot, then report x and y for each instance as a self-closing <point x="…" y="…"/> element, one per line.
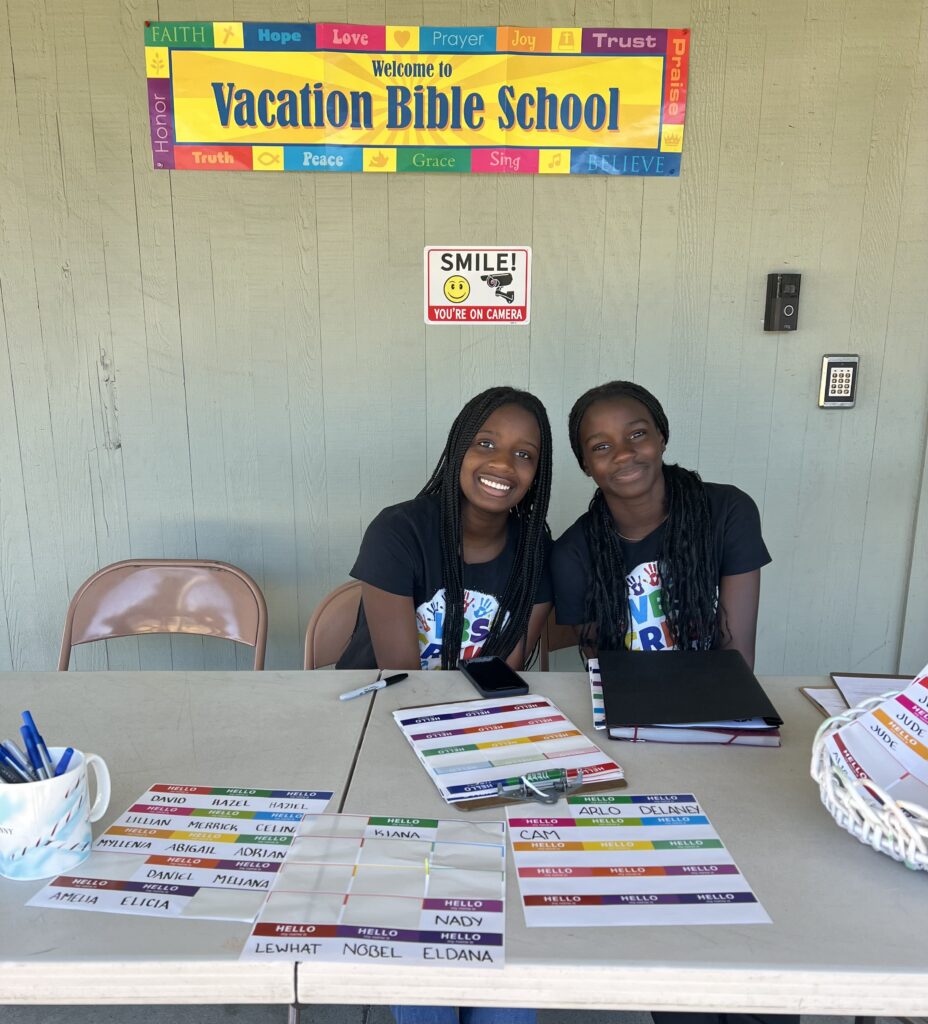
<point x="244" y="96"/>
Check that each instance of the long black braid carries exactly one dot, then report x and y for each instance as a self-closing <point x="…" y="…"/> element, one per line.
<point x="686" y="563"/>
<point x="511" y="622"/>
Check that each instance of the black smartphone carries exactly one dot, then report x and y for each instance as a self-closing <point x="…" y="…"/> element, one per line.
<point x="493" y="677"/>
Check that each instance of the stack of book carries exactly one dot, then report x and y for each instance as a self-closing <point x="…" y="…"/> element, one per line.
<point x="681" y="697"/>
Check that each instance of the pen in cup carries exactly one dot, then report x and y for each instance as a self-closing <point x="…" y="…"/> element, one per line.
<point x="32" y="750"/>
<point x="39" y="744"/>
<point x="36" y="763"/>
<point x="378" y="684"/>
<point x="64" y="761"/>
<point x="16" y="756"/>
<point x="23" y="772"/>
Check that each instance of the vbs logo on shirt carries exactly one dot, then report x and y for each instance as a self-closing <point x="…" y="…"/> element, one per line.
<point x="647" y="624"/>
<point x="479" y="612"/>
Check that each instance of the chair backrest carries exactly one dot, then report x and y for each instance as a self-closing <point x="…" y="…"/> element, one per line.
<point x="331" y="625"/>
<point x="554" y="638"/>
<point x="154" y="595"/>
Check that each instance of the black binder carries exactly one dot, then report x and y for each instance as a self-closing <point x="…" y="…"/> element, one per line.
<point x="675" y="687"/>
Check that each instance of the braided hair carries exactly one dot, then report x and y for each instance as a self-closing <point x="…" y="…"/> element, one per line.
<point x="686" y="562"/>
<point x="510" y="624"/>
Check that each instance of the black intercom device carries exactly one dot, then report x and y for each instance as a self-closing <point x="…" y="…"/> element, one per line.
<point x="782" y="309"/>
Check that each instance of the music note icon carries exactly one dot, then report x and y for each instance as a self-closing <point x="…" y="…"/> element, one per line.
<point x="556" y="160"/>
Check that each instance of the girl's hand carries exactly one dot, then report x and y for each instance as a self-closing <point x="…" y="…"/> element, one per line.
<point x="739" y="597"/>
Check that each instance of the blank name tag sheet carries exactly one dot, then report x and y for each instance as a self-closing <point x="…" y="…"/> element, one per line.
<point x="626" y="860"/>
<point x="387" y="890"/>
<point x="188" y="851"/>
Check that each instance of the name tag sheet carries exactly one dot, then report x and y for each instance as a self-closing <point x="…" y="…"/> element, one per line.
<point x="476" y="748"/>
<point x="388" y="890"/>
<point x="188" y="851"/>
<point x="626" y="860"/>
<point x="889" y="744"/>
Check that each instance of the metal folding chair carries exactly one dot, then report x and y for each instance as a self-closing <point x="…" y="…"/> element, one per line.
<point x="155" y="595"/>
<point x="331" y="625"/>
<point x="554" y="638"/>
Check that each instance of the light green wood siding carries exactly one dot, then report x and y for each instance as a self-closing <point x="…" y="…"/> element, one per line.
<point x="234" y="366"/>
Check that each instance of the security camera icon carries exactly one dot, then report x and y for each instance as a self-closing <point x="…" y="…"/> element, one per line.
<point x="499" y="282"/>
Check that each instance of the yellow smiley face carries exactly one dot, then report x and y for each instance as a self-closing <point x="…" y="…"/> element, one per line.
<point x="457" y="288"/>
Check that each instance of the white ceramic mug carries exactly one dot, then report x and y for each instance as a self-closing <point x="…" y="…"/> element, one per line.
<point x="45" y="826"/>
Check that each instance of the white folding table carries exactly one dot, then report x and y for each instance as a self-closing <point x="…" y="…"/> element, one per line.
<point x="270" y="729"/>
<point x="849" y="925"/>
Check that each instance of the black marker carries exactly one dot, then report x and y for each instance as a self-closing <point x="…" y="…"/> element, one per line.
<point x="378" y="685"/>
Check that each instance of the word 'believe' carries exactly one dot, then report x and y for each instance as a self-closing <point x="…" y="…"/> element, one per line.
<point x="421" y="108"/>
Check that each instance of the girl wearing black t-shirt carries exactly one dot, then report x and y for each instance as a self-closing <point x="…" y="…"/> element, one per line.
<point x="661" y="560"/>
<point x="467" y="557"/>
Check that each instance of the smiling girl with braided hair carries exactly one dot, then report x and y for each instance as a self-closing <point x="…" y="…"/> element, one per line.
<point x="661" y="560"/>
<point x="467" y="557"/>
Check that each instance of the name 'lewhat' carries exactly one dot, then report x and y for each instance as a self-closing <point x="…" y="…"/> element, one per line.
<point x="423" y="108"/>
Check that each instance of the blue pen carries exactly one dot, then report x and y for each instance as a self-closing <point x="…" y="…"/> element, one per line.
<point x="15" y="754"/>
<point x="26" y="774"/>
<point x="64" y="761"/>
<point x="40" y="745"/>
<point x="33" y="751"/>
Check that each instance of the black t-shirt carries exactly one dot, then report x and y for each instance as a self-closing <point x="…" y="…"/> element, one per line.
<point x="736" y="542"/>
<point x="401" y="553"/>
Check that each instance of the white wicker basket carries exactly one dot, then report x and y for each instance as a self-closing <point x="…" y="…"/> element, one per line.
<point x="896" y="828"/>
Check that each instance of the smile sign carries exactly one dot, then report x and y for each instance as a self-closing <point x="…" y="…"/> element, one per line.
<point x="477" y="285"/>
<point x="301" y="96"/>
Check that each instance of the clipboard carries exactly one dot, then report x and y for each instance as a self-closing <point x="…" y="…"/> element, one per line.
<point x="809" y="693"/>
<point x="556" y="791"/>
<point x="543" y="786"/>
<point x="844" y="681"/>
<point x="643" y="688"/>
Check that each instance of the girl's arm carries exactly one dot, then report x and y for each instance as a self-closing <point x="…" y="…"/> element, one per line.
<point x="391" y="619"/>
<point x="536" y="622"/>
<point x="738" y="600"/>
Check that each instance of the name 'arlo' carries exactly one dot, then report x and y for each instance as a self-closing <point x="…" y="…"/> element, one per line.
<point x="421" y="108"/>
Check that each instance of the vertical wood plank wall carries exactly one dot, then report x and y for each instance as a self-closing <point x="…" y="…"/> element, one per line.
<point x="234" y="366"/>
